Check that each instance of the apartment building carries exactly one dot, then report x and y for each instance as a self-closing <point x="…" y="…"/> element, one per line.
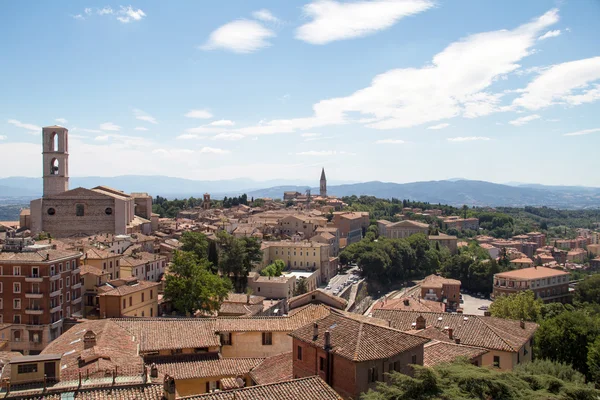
<point x="549" y="284"/>
<point x="143" y="266"/>
<point x="128" y="298"/>
<point x="441" y="239"/>
<point x="437" y="288"/>
<point x="302" y="225"/>
<point x="353" y="353"/>
<point x="38" y="289"/>
<point x="302" y="255"/>
<point x="104" y="260"/>
<point x="91" y="279"/>
<point x="350" y="225"/>
<point x="272" y="287"/>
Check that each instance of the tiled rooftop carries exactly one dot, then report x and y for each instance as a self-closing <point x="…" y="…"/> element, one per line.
<point x="303" y="316"/>
<point x="531" y="273"/>
<point x="274" y="369"/>
<point x="358" y="340"/>
<point x="130" y="288"/>
<point x="200" y="366"/>
<point x="38" y="256"/>
<point x="472" y="330"/>
<point x="443" y="352"/>
<point x="312" y="388"/>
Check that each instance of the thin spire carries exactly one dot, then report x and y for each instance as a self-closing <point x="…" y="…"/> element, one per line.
<point x="323" y="174"/>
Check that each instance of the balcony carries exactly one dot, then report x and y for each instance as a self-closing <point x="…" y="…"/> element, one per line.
<point x="55" y="309"/>
<point x="56" y="324"/>
<point x="76" y="301"/>
<point x="55" y="293"/>
<point x="55" y="277"/>
<point x="76" y="270"/>
<point x="34" y="311"/>
<point x="34" y="278"/>
<point x="76" y="286"/>
<point x="34" y="295"/>
<point x="34" y="327"/>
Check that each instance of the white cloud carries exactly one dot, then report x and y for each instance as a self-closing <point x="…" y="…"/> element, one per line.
<point x="125" y="140"/>
<point x="556" y="85"/>
<point x="265" y="15"/>
<point x="322" y="153"/>
<point x="109" y="126"/>
<point x="222" y="122"/>
<point x="389" y="141"/>
<point x="550" y="34"/>
<point x="29" y="127"/>
<point x="187" y="136"/>
<point x="310" y="134"/>
<point x="228" y="136"/>
<point x="78" y="17"/>
<point x="212" y="150"/>
<point x="143" y="116"/>
<point x="241" y="36"/>
<point x="583" y="132"/>
<point x="456" y="83"/>
<point x="467" y="138"/>
<point x="201" y="114"/>
<point x="140" y="128"/>
<point x="88" y="11"/>
<point x="439" y="126"/>
<point x="2" y="137"/>
<point x="88" y="130"/>
<point x="104" y="11"/>
<point x="523" y="120"/>
<point x="61" y="120"/>
<point x="127" y="14"/>
<point x="333" y="20"/>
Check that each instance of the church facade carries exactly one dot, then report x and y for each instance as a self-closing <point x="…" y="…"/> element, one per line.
<point x="81" y="212"/>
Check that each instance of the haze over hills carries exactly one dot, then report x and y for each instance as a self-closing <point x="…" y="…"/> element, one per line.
<point x="454" y="192"/>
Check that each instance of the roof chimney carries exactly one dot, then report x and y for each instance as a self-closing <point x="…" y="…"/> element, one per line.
<point x="522" y="324"/>
<point x="168" y="388"/>
<point x="89" y="339"/>
<point x="487" y="313"/>
<point x="315" y="331"/>
<point x="457" y="340"/>
<point x="153" y="371"/>
<point x="47" y="256"/>
<point x="327" y="340"/>
<point x="406" y="302"/>
<point x="450" y="331"/>
<point x="420" y="322"/>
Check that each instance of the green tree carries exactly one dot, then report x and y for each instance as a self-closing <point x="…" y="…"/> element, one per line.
<point x="274" y="269"/>
<point x="196" y="243"/>
<point x="522" y="305"/>
<point x="190" y="286"/>
<point x="237" y="257"/>
<point x="593" y="361"/>
<point x="213" y="255"/>
<point x="588" y="290"/>
<point x="565" y="338"/>
<point x="301" y="287"/>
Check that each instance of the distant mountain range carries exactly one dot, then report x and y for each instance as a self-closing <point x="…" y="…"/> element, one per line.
<point x="454" y="192"/>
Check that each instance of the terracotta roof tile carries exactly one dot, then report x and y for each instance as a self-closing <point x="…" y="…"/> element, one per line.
<point x="303" y="316"/>
<point x="312" y="388"/>
<point x="441" y="352"/>
<point x="38" y="256"/>
<point x="358" y="340"/>
<point x="129" y="289"/>
<point x="472" y="330"/>
<point x="531" y="273"/>
<point x="274" y="369"/>
<point x="199" y="366"/>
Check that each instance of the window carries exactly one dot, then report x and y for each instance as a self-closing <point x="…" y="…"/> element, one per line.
<point x="497" y="361"/>
<point x="68" y="296"/>
<point x="518" y="357"/>
<point x="1" y="287"/>
<point x="27" y="368"/>
<point x="1" y="305"/>
<point x="299" y="353"/>
<point x="397" y="366"/>
<point x="16" y="287"/>
<point x="124" y="303"/>
<point x="79" y="210"/>
<point x="373" y="375"/>
<point x="130" y="301"/>
<point x="152" y="312"/>
<point x="35" y="272"/>
<point x="267" y="338"/>
<point x="68" y="281"/>
<point x="17" y="270"/>
<point x="414" y="359"/>
<point x="60" y="284"/>
<point x="142" y="297"/>
<point x="321" y="364"/>
<point x="51" y="211"/>
<point x="110" y="265"/>
<point x="142" y="314"/>
<point x="390" y="367"/>
<point x="103" y="265"/>
<point x="17" y="304"/>
<point x="60" y="267"/>
<point x="108" y="211"/>
<point x="16" y="319"/>
<point x="226" y="339"/>
<point x="151" y="294"/>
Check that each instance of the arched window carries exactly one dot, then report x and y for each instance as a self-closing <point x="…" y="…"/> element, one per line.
<point x="54" y="141"/>
<point x="79" y="210"/>
<point x="54" y="167"/>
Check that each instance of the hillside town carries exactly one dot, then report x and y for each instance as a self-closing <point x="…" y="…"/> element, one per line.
<point x="95" y="301"/>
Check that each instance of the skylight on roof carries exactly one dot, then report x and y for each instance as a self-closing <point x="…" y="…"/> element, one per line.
<point x="75" y="341"/>
<point x="68" y="352"/>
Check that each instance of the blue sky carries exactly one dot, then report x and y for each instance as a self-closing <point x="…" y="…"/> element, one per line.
<point x="391" y="90"/>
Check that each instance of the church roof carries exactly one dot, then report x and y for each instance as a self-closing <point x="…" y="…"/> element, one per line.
<point x="112" y="192"/>
<point x="79" y="193"/>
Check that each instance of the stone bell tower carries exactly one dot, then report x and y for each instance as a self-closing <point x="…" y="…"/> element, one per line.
<point x="323" y="186"/>
<point x="55" y="141"/>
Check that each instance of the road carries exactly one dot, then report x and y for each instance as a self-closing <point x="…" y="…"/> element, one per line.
<point x="472" y="304"/>
<point x="339" y="280"/>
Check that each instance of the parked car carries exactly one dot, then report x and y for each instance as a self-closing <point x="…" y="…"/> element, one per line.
<point x="328" y="287"/>
<point x="484" y="308"/>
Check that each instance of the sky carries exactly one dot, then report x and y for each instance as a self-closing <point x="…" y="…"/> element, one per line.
<point x="389" y="90"/>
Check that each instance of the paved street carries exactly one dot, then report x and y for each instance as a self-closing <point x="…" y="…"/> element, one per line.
<point x="338" y="280"/>
<point x="472" y="304"/>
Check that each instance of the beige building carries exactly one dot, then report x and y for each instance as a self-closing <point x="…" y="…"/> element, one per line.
<point x="143" y="266"/>
<point x="551" y="285"/>
<point x="451" y="242"/>
<point x="302" y="255"/>
<point x="91" y="279"/>
<point x="103" y="260"/>
<point x="63" y="212"/>
<point x="350" y="225"/>
<point x="128" y="298"/>
<point x="302" y="225"/>
<point x="272" y="287"/>
<point x="401" y="229"/>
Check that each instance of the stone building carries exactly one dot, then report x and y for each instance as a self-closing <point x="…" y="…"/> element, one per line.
<point x="63" y="212"/>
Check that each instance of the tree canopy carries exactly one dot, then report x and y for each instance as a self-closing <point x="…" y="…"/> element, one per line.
<point x="588" y="290"/>
<point x="522" y="305"/>
<point x="274" y="269"/>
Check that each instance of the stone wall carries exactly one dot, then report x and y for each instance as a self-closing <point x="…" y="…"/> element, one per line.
<point x="66" y="223"/>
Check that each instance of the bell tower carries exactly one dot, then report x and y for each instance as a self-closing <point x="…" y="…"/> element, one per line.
<point x="323" y="186"/>
<point x="55" y="142"/>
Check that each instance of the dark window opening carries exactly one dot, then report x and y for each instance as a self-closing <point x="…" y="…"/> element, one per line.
<point x="108" y="211"/>
<point x="267" y="338"/>
<point x="51" y="211"/>
<point x="79" y="210"/>
<point x="300" y="353"/>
